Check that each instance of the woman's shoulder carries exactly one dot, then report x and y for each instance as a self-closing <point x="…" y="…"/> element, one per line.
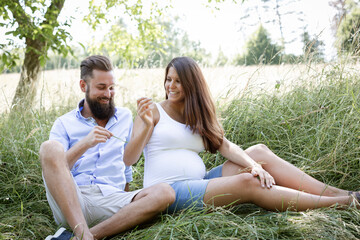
<point x="163" y="103"/>
<point x="156" y="113"/>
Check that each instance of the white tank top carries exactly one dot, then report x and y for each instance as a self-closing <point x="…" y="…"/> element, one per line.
<point x="171" y="154"/>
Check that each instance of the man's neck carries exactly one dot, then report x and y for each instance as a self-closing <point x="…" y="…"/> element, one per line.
<point x="86" y="112"/>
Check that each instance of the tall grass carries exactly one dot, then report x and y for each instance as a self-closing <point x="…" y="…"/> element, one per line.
<point x="314" y="126"/>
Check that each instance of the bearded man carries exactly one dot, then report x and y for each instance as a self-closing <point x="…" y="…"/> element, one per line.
<point x="85" y="178"/>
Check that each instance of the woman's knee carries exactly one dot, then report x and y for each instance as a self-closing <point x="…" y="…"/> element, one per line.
<point x="163" y="193"/>
<point x="257" y="151"/>
<point x="245" y="181"/>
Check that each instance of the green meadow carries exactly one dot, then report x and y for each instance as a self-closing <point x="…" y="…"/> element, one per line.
<point x="308" y="115"/>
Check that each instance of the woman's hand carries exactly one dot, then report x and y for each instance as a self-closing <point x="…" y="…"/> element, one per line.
<point x="144" y="110"/>
<point x="264" y="176"/>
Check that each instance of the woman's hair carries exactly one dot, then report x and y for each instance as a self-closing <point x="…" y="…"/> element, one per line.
<point x="200" y="113"/>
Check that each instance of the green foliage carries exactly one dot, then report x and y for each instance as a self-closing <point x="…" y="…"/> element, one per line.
<point x="259" y="50"/>
<point x="348" y="33"/>
<point x="314" y="126"/>
<point x="10" y="60"/>
<point x="168" y="42"/>
<point x="119" y="41"/>
<point x="33" y="24"/>
<point x="24" y="211"/>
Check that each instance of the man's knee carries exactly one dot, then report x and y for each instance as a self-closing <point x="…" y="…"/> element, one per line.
<point x="49" y="150"/>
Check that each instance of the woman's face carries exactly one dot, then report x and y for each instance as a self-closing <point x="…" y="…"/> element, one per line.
<point x="173" y="87"/>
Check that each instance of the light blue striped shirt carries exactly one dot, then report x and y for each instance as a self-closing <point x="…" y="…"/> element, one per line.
<point x="102" y="164"/>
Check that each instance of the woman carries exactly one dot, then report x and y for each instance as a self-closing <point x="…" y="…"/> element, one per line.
<point x="174" y="131"/>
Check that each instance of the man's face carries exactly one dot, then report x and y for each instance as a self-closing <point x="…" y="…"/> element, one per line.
<point x="100" y="91"/>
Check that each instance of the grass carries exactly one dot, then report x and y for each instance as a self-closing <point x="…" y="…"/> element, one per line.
<point x="314" y="125"/>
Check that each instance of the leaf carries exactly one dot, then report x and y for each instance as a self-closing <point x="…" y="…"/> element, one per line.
<point x="10" y="33"/>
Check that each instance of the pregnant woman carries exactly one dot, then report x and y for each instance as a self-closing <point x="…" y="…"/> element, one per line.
<point x="174" y="131"/>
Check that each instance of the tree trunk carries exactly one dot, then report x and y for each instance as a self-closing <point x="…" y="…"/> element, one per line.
<point x="36" y="47"/>
<point x="27" y="87"/>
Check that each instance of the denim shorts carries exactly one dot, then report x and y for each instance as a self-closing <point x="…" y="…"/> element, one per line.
<point x="190" y="193"/>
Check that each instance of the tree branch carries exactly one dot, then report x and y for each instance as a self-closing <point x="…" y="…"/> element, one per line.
<point x="19" y="14"/>
<point x="53" y="11"/>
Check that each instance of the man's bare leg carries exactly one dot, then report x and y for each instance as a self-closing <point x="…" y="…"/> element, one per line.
<point x="61" y="186"/>
<point x="145" y="205"/>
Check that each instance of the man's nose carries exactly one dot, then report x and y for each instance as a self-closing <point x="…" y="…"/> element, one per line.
<point x="107" y="93"/>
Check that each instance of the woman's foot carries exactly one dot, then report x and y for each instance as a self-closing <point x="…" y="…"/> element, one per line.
<point x="354" y="199"/>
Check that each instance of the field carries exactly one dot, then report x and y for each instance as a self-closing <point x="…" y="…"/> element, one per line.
<point x="55" y="86"/>
<point x="307" y="114"/>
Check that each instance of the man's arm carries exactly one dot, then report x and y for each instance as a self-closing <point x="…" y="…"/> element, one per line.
<point x="97" y="135"/>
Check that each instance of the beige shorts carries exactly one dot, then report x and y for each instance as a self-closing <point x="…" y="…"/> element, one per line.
<point x="95" y="207"/>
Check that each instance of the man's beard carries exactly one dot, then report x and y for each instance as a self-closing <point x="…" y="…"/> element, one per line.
<point x="101" y="111"/>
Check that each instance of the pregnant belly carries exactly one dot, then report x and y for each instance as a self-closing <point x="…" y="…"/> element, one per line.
<point x="173" y="165"/>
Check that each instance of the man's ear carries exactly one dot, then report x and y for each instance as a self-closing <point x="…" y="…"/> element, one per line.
<point x="83" y="85"/>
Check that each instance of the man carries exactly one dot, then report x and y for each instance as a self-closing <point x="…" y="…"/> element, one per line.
<point x="83" y="169"/>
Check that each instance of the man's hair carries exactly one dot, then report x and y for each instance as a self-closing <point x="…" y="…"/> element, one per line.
<point x="90" y="63"/>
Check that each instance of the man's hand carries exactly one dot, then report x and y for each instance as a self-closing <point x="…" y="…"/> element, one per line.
<point x="97" y="135"/>
<point x="264" y="176"/>
<point x="144" y="110"/>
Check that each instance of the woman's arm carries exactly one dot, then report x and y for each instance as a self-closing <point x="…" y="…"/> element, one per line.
<point x="238" y="156"/>
<point x="141" y="133"/>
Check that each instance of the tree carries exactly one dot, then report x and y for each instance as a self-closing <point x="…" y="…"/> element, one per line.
<point x="348" y="33"/>
<point x="35" y="24"/>
<point x="284" y="15"/>
<point x="313" y="48"/>
<point x="340" y="7"/>
<point x="169" y="42"/>
<point x="260" y="50"/>
<point x="221" y="59"/>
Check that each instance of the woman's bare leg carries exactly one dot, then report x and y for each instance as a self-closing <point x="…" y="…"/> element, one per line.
<point x="284" y="173"/>
<point x="244" y="188"/>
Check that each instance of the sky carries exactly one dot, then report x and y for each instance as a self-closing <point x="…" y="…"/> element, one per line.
<point x="224" y="28"/>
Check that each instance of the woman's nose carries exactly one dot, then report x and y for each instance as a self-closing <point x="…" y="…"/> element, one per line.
<point x="172" y="84"/>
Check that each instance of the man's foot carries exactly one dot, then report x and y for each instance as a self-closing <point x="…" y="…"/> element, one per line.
<point x="61" y="234"/>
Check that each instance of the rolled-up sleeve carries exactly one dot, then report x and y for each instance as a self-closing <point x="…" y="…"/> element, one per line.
<point x="128" y="174"/>
<point x="59" y="134"/>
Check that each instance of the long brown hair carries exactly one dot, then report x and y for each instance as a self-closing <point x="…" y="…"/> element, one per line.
<point x="200" y="113"/>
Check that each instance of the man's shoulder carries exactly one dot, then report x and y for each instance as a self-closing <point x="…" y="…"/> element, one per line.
<point x="68" y="116"/>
